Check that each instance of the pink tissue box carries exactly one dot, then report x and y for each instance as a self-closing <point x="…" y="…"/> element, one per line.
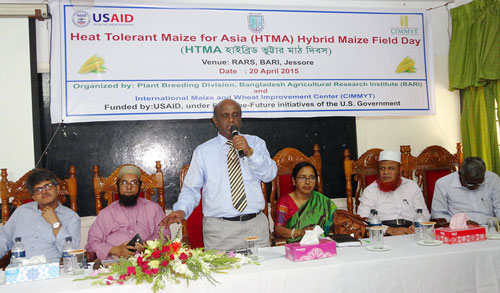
<point x="451" y="236"/>
<point x="325" y="248"/>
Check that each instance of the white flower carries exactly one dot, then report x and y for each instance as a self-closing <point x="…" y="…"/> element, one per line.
<point x="242" y="259"/>
<point x="154" y="264"/>
<point x="152" y="244"/>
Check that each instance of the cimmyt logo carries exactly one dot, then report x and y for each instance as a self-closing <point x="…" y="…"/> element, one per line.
<point x="404" y="28"/>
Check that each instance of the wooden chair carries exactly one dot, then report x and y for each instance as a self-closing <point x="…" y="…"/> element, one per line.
<point x="19" y="192"/>
<point x="107" y="186"/>
<point x="363" y="171"/>
<point x="286" y="159"/>
<point x="192" y="227"/>
<point x="431" y="164"/>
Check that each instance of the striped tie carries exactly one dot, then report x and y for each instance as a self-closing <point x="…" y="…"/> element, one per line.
<point x="235" y="178"/>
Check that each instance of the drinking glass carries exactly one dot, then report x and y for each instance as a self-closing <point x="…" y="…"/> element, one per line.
<point x="493" y="227"/>
<point x="428" y="231"/>
<point x="377" y="237"/>
<point x="78" y="260"/>
<point x="252" y="247"/>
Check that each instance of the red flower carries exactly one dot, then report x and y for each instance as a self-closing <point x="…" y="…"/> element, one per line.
<point x="172" y="257"/>
<point x="144" y="266"/>
<point x="123" y="277"/>
<point x="165" y="248"/>
<point x="108" y="283"/>
<point x="154" y="271"/>
<point x="110" y="278"/>
<point x="156" y="254"/>
<point x="148" y="272"/>
<point x="120" y="283"/>
<point x="164" y="263"/>
<point x="183" y="256"/>
<point x="176" y="246"/>
<point x="131" y="270"/>
<point x="139" y="260"/>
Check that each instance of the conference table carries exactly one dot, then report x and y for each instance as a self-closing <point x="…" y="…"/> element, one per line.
<point x="406" y="267"/>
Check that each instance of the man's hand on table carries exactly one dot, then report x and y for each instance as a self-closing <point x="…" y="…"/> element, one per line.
<point x="400" y="230"/>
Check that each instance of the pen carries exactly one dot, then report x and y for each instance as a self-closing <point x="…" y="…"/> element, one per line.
<point x="405" y="201"/>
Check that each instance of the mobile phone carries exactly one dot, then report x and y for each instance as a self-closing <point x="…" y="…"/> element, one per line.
<point x="133" y="241"/>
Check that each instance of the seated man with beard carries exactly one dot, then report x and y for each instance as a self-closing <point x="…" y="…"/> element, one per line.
<point x="120" y="221"/>
<point x="395" y="198"/>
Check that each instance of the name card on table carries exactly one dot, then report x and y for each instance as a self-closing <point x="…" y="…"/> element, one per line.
<point x="21" y="274"/>
<point x="455" y="236"/>
<point x="325" y="248"/>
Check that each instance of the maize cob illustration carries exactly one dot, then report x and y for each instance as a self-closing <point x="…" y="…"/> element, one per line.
<point x="94" y="64"/>
<point x="407" y="65"/>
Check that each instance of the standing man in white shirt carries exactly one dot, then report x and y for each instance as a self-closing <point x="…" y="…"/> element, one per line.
<point x="394" y="197"/>
<point x="228" y="214"/>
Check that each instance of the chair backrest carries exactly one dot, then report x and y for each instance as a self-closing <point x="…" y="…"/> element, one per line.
<point x="363" y="171"/>
<point x="192" y="230"/>
<point x="431" y="164"/>
<point x="19" y="192"/>
<point x="286" y="159"/>
<point x="106" y="186"/>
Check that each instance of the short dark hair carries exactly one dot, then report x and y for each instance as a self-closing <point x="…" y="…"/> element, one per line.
<point x="39" y="175"/>
<point x="474" y="167"/>
<point x="301" y="165"/>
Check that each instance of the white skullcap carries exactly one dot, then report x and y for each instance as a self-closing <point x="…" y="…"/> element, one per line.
<point x="389" y="156"/>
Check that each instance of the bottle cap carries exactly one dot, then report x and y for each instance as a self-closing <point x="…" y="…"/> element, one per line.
<point x="372" y="210"/>
<point x="419" y="210"/>
<point x="375" y="212"/>
<point x="17" y="239"/>
<point x="69" y="238"/>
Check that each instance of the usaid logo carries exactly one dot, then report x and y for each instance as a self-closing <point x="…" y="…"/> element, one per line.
<point x="81" y="18"/>
<point x="112" y="18"/>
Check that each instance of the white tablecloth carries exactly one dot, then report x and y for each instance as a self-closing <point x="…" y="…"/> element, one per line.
<point x="407" y="267"/>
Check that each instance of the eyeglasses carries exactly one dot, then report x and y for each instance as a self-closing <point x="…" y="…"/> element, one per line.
<point x="472" y="185"/>
<point x="305" y="178"/>
<point x="40" y="189"/>
<point x="126" y="183"/>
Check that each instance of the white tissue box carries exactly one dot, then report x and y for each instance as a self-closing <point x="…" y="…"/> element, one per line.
<point x="20" y="274"/>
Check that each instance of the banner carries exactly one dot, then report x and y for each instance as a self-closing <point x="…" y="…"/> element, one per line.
<point x="139" y="62"/>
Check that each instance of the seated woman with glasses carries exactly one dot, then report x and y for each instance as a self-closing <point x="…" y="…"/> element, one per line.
<point x="304" y="207"/>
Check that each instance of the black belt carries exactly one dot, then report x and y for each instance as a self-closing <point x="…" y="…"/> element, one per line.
<point x="398" y="223"/>
<point x="242" y="218"/>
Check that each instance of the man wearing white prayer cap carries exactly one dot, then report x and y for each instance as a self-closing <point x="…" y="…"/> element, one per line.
<point x="395" y="198"/>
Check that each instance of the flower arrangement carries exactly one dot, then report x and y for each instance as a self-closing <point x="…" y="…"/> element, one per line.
<point x="164" y="260"/>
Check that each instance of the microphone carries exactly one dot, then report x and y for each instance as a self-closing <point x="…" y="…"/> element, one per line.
<point x="234" y="131"/>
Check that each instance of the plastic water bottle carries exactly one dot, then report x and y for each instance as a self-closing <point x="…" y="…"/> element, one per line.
<point x="67" y="261"/>
<point x="370" y="217"/>
<point x="375" y="220"/>
<point x="417" y="222"/>
<point x="18" y="251"/>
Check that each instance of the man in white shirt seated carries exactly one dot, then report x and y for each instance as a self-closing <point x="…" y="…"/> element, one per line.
<point x="44" y="224"/>
<point x="472" y="190"/>
<point x="395" y="198"/>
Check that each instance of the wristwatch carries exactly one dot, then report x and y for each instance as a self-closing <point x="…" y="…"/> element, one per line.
<point x="56" y="225"/>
